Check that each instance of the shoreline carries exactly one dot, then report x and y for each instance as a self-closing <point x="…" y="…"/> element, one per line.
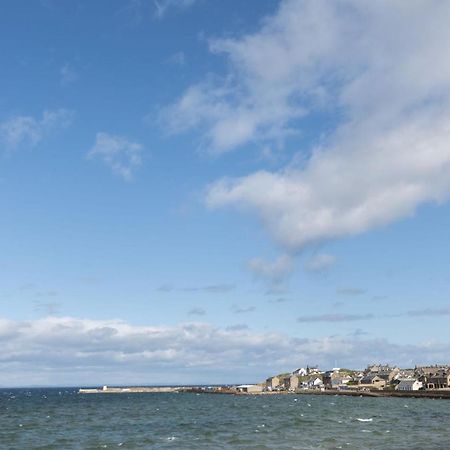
<point x="444" y="394"/>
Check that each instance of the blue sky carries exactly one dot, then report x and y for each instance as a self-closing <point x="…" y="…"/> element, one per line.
<point x="205" y="191"/>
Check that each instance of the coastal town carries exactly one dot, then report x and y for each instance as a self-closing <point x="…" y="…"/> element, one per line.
<point x="375" y="378"/>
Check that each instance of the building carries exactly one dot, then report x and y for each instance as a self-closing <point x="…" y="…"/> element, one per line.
<point x="291" y="383"/>
<point x="434" y="377"/>
<point x="339" y="381"/>
<point x="313" y="370"/>
<point x="250" y="388"/>
<point x="372" y="382"/>
<point x="383" y="371"/>
<point x="404" y="374"/>
<point x="272" y="383"/>
<point x="302" y="372"/>
<point x="331" y="377"/>
<point x="315" y="383"/>
<point x="409" y="384"/>
<point x="308" y="370"/>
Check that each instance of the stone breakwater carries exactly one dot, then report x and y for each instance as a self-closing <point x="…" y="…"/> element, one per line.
<point x="132" y="390"/>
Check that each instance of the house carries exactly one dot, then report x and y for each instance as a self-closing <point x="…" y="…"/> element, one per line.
<point x="308" y="370"/>
<point x="315" y="383"/>
<point x="313" y="370"/>
<point x="302" y="372"/>
<point x="331" y="377"/>
<point x="404" y="374"/>
<point x="383" y="371"/>
<point x="372" y="382"/>
<point x="312" y="382"/>
<point x="272" y="383"/>
<point x="291" y="383"/>
<point x="339" y="381"/>
<point x="250" y="388"/>
<point x="434" y="377"/>
<point x="409" y="384"/>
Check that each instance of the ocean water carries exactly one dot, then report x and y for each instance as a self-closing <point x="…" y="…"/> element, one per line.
<point x="63" y="419"/>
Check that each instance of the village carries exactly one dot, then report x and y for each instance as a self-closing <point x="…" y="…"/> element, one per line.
<point x="375" y="378"/>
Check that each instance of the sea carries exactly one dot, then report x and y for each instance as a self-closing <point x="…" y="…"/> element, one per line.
<point x="63" y="419"/>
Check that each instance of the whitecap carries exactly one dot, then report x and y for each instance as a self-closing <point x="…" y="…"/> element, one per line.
<point x="364" y="420"/>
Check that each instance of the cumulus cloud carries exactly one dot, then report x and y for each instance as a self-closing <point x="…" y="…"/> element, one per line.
<point x="121" y="155"/>
<point x="388" y="152"/>
<point x="72" y="351"/>
<point x="28" y="130"/>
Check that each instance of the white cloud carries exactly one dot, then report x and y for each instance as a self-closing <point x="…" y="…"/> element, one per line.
<point x="319" y="262"/>
<point x="273" y="271"/>
<point x="19" y="130"/>
<point x="122" y="156"/>
<point x="368" y="63"/>
<point x="70" y="351"/>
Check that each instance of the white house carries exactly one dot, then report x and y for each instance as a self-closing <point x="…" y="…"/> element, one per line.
<point x="314" y="383"/>
<point x="300" y="372"/>
<point x="409" y="385"/>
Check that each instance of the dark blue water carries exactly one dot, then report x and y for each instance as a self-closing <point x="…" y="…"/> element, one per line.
<point x="63" y="419"/>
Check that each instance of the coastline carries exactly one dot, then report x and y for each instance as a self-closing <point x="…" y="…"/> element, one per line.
<point x="441" y="394"/>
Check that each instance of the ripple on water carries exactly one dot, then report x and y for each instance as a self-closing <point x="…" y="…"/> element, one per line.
<point x="61" y="419"/>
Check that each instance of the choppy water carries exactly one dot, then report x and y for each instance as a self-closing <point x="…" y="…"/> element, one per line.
<point x="63" y="419"/>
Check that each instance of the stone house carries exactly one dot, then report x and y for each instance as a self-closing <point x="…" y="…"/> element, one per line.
<point x="272" y="383"/>
<point x="383" y="371"/>
<point x="291" y="383"/>
<point x="372" y="382"/>
<point x="434" y="377"/>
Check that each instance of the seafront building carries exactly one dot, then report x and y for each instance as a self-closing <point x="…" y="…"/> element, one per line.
<point x="376" y="377"/>
<point x="409" y="385"/>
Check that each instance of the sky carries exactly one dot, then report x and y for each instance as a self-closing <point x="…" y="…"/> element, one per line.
<point x="199" y="191"/>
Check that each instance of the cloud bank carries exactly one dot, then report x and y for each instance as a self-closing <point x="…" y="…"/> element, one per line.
<point x="71" y="351"/>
